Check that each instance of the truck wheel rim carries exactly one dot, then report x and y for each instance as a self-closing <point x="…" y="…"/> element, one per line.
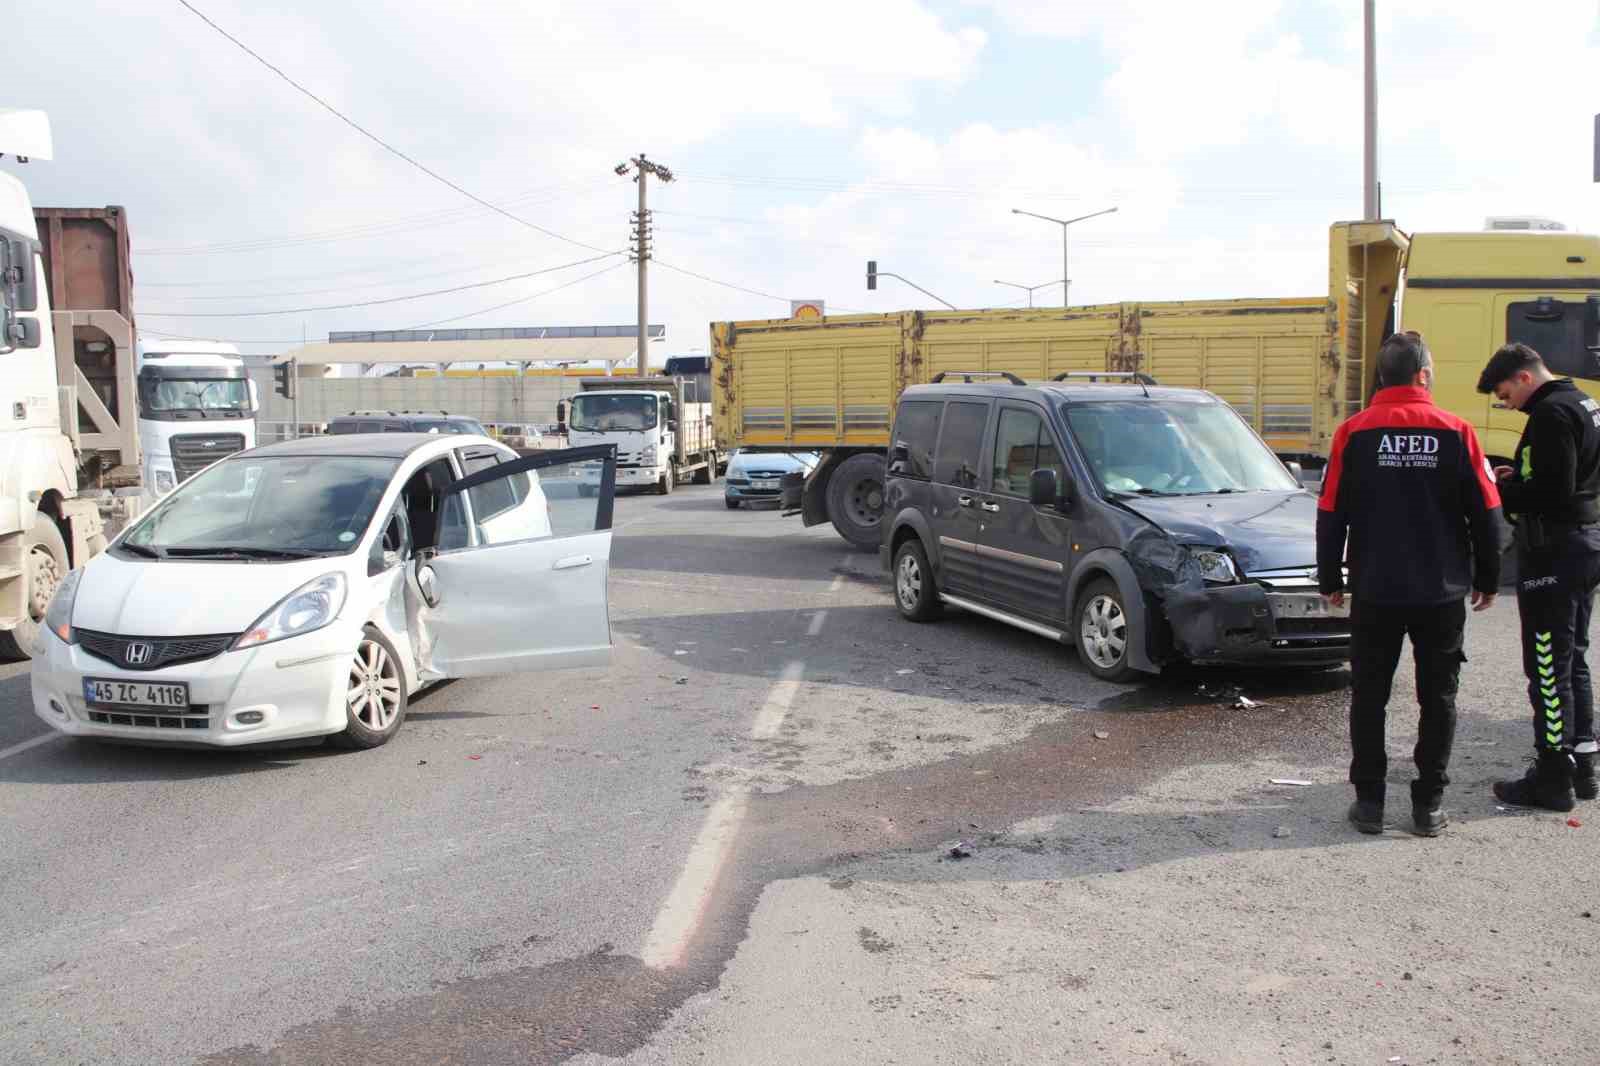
<point x="866" y="501"/>
<point x="1104" y="632"/>
<point x="44" y="574"/>
<point x="374" y="695"/>
<point x="908" y="582"/>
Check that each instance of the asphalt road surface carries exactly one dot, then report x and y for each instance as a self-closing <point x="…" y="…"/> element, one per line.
<point x="735" y="846"/>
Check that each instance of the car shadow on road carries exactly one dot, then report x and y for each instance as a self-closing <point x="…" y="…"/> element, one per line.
<point x="79" y="760"/>
<point x="789" y="558"/>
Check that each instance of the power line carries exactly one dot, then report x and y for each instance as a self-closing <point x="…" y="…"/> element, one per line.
<point x="724" y="284"/>
<point x="385" y="145"/>
<point x="419" y="325"/>
<point x="373" y="303"/>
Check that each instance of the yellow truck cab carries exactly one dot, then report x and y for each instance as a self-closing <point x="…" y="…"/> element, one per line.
<point x="1469" y="293"/>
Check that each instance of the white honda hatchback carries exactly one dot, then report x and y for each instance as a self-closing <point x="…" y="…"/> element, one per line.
<point x="310" y="588"/>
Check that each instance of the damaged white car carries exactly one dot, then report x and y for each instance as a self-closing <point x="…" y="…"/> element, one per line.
<point x="310" y="588"/>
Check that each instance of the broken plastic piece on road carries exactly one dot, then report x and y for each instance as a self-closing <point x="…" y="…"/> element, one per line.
<point x="681" y="681"/>
<point x="1282" y="831"/>
<point x="594" y="706"/>
<point x="1288" y="781"/>
<point x="1245" y="703"/>
<point x="903" y="673"/>
<point x="680" y="651"/>
<point x="474" y="758"/>
<point x="1101" y="734"/>
<point x="422" y="762"/>
<point x="960" y="850"/>
<point x="1574" y="823"/>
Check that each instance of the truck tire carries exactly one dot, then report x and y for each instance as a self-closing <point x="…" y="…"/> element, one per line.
<point x="855" y="499"/>
<point x="44" y="564"/>
<point x="664" y="486"/>
<point x="708" y="473"/>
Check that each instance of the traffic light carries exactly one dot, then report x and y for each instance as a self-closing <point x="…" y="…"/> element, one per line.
<point x="872" y="273"/>
<point x="283" y="378"/>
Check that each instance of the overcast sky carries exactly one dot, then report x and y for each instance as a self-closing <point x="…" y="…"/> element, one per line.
<point x="807" y="138"/>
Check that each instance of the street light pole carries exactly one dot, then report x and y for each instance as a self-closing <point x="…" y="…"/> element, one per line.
<point x="642" y="169"/>
<point x="1066" y="274"/>
<point x="1369" y="158"/>
<point x="1029" y="288"/>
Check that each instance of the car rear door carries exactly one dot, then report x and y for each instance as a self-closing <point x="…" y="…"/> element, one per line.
<point x="1025" y="549"/>
<point x="519" y="580"/>
<point x="956" y="512"/>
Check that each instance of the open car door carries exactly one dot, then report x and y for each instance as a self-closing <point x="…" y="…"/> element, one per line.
<point x="519" y="578"/>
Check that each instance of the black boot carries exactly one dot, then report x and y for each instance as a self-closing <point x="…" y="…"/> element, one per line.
<point x="1367" y="815"/>
<point x="1547" y="784"/>
<point x="1584" y="785"/>
<point x="1428" y="818"/>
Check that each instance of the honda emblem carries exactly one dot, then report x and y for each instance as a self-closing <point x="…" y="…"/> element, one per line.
<point x="137" y="653"/>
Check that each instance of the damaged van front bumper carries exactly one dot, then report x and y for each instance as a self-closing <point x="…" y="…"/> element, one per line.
<point x="1251" y="623"/>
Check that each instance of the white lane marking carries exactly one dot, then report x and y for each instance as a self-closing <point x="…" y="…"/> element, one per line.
<point x="770" y="718"/>
<point x="28" y="745"/>
<point x="816" y="623"/>
<point x="681" y="913"/>
<point x="836" y="584"/>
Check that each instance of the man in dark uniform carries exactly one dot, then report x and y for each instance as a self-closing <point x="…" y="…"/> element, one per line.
<point x="1553" y="492"/>
<point x="1408" y="486"/>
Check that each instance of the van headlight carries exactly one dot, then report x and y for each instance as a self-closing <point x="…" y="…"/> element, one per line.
<point x="1215" y="567"/>
<point x="306" y="609"/>
<point x="58" y="616"/>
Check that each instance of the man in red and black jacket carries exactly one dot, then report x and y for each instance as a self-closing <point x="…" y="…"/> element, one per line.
<point x="1409" y="503"/>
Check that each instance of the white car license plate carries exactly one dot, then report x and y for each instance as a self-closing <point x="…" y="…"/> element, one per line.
<point x="1305" y="605"/>
<point x="764" y="483"/>
<point x="100" y="692"/>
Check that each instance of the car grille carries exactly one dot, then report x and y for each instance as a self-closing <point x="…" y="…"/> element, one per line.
<point x="164" y="651"/>
<point x="1313" y="627"/>
<point x="193" y="452"/>
<point x="196" y="717"/>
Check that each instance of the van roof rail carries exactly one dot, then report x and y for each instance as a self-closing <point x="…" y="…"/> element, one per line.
<point x="1144" y="381"/>
<point x="968" y="375"/>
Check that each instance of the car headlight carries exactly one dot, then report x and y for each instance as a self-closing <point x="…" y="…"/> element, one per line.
<point x="164" y="481"/>
<point x="308" y="608"/>
<point x="1216" y="567"/>
<point x="58" y="616"/>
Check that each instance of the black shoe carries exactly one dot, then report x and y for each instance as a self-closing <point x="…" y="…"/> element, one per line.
<point x="1584" y="785"/>
<point x="1429" y="823"/>
<point x="1547" y="784"/>
<point x="1367" y="816"/>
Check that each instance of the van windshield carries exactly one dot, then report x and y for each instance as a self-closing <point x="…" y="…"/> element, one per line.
<point x="266" y="507"/>
<point x="1174" y="449"/>
<point x="599" y="413"/>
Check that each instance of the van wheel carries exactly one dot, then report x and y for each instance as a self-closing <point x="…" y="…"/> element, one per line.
<point x="1104" y="633"/>
<point x="375" y="700"/>
<point x="855" y="499"/>
<point x="916" y="594"/>
<point x="44" y="564"/>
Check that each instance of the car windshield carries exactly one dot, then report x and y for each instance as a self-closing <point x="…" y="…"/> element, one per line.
<point x="1174" y="449"/>
<point x="598" y="414"/>
<point x="266" y="507"/>
<point x="169" y="395"/>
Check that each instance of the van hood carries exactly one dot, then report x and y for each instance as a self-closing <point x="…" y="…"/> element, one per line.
<point x="172" y="598"/>
<point x="1263" y="530"/>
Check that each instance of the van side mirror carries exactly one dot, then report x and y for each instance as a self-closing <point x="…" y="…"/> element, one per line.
<point x="21" y="277"/>
<point x="899" y="455"/>
<point x="1043" y="489"/>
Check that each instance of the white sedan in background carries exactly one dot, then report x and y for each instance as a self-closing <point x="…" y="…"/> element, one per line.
<point x="310" y="588"/>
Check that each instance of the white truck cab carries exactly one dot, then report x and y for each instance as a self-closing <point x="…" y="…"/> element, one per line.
<point x="661" y="429"/>
<point x="196" y="405"/>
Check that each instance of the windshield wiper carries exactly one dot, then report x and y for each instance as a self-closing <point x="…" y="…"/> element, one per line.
<point x="245" y="553"/>
<point x="140" y="549"/>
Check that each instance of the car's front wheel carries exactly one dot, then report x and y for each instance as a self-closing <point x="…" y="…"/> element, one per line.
<point x="375" y="700"/>
<point x="1104" y="632"/>
<point x="733" y="504"/>
<point x="916" y="594"/>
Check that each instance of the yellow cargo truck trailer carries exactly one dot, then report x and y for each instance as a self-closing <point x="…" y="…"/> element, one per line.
<point x="1293" y="368"/>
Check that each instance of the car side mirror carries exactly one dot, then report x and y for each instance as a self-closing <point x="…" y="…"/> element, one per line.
<point x="1298" y="471"/>
<point x="1043" y="489"/>
<point x="427" y="583"/>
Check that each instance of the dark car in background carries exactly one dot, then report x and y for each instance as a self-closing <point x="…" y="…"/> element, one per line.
<point x="1146" y="525"/>
<point x="405" y="422"/>
<point x="755" y="476"/>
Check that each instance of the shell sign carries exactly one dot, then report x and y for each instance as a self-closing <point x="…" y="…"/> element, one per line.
<point x="805" y="309"/>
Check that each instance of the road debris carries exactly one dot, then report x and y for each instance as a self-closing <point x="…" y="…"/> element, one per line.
<point x="1245" y="703"/>
<point x="1574" y="823"/>
<point x="474" y="758"/>
<point x="680" y="651"/>
<point x="1101" y="734"/>
<point x="960" y="850"/>
<point x="422" y="762"/>
<point x="1282" y="831"/>
<point x="903" y="673"/>
<point x="681" y="681"/>
<point x="1288" y="781"/>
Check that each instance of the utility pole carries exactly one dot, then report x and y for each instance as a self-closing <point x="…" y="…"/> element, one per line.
<point x="1369" y="169"/>
<point x="1066" y="275"/>
<point x="642" y="169"/>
